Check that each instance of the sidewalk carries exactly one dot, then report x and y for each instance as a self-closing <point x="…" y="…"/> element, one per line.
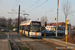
<point x="59" y="42"/>
<point x="4" y="44"/>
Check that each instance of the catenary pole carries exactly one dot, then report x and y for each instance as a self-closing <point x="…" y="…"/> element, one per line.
<point x="57" y="17"/>
<point x="18" y="19"/>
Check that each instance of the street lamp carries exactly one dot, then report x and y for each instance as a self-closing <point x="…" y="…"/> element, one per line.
<point x="45" y="15"/>
<point x="46" y="20"/>
<point x="47" y="12"/>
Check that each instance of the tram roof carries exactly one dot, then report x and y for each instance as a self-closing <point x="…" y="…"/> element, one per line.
<point x="26" y="22"/>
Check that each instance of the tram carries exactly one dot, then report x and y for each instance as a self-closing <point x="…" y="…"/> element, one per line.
<point x="30" y="28"/>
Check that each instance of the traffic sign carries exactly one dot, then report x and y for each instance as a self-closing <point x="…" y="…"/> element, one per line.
<point x="66" y="32"/>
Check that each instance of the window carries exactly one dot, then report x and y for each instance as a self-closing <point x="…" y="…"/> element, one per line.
<point x="27" y="27"/>
<point x="22" y="27"/>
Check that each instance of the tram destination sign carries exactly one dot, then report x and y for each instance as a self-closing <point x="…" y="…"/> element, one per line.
<point x="36" y="23"/>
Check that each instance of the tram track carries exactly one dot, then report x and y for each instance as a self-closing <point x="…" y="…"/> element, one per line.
<point x="23" y="43"/>
<point x="45" y="43"/>
<point x="49" y="44"/>
<point x="34" y="44"/>
<point x="13" y="45"/>
<point x="12" y="41"/>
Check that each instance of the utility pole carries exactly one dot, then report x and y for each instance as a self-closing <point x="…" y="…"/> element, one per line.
<point x="18" y="19"/>
<point x="57" y="17"/>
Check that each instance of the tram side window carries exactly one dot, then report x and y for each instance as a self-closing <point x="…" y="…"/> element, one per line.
<point x="22" y="27"/>
<point x="27" y="28"/>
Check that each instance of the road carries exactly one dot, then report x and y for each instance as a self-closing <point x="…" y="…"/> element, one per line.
<point x="31" y="43"/>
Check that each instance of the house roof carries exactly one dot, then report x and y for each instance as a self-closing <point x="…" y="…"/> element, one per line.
<point x="54" y="24"/>
<point x="49" y="24"/>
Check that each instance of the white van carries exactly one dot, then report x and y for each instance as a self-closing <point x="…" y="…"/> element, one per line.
<point x="49" y="28"/>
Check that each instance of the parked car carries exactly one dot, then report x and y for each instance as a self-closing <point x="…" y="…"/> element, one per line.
<point x="53" y="33"/>
<point x="4" y="30"/>
<point x="42" y="28"/>
<point x="59" y="33"/>
<point x="48" y="33"/>
<point x="15" y="29"/>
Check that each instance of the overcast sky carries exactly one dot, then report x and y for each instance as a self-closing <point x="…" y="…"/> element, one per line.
<point x="36" y="9"/>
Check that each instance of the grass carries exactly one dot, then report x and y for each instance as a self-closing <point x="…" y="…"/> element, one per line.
<point x="2" y="33"/>
<point x="57" y="38"/>
<point x="23" y="48"/>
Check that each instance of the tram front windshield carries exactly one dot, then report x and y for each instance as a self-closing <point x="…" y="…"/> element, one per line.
<point x="35" y="27"/>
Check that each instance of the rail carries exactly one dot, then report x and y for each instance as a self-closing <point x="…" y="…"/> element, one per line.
<point x="8" y="35"/>
<point x="11" y="39"/>
<point x="23" y="43"/>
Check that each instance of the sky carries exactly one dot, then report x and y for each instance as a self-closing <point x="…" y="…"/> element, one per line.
<point x="36" y="9"/>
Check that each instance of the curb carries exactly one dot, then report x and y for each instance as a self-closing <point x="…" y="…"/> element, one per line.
<point x="9" y="45"/>
<point x="59" y="44"/>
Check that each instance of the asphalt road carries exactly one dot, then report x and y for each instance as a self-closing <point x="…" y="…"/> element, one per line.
<point x="33" y="43"/>
<point x="30" y="42"/>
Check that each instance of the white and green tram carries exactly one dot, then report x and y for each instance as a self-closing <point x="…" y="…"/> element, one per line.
<point x="30" y="28"/>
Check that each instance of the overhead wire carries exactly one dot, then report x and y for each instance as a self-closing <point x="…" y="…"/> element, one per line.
<point x="17" y="4"/>
<point x="37" y="6"/>
<point x="14" y="4"/>
<point x="32" y="5"/>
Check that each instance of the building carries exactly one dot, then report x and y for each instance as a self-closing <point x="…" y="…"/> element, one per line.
<point x="49" y="27"/>
<point x="52" y="26"/>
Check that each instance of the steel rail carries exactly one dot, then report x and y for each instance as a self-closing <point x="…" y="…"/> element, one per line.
<point x="10" y="39"/>
<point x="23" y="43"/>
<point x="47" y="44"/>
<point x="13" y="42"/>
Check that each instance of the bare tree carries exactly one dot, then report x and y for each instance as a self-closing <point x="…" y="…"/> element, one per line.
<point x="43" y="20"/>
<point x="15" y="21"/>
<point x="66" y="8"/>
<point x="9" y="21"/>
<point x="3" y="22"/>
